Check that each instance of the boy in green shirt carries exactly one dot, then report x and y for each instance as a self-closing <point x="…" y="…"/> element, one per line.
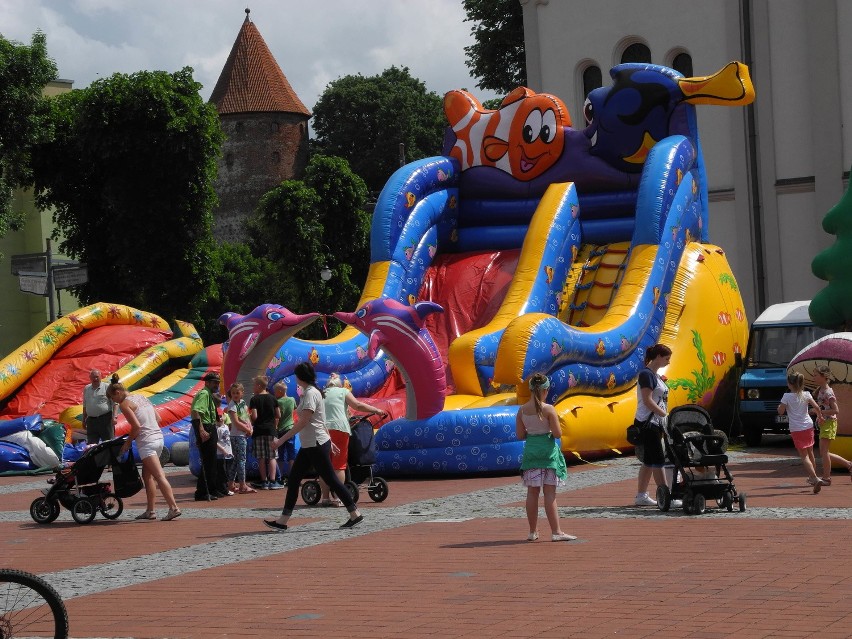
<point x="287" y="451"/>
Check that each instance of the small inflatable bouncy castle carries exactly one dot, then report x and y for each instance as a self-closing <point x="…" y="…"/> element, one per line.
<point x="547" y="248"/>
<point x="43" y="380"/>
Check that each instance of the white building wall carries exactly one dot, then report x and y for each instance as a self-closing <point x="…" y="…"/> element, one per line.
<point x="844" y="22"/>
<point x="767" y="221"/>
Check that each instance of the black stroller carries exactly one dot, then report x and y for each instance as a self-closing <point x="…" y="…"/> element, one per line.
<point x="359" y="470"/>
<point x="700" y="464"/>
<point x="79" y="489"/>
<point x="362" y="457"/>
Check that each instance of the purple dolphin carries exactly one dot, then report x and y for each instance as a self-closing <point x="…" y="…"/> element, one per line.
<point x="254" y="339"/>
<point x="398" y="329"/>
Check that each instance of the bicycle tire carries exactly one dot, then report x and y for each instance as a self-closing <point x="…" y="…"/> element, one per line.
<point x="29" y="606"/>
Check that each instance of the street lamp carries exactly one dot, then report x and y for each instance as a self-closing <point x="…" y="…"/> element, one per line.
<point x="325" y="273"/>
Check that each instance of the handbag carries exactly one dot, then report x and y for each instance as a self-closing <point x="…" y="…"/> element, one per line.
<point x="126" y="481"/>
<point x="636" y="431"/>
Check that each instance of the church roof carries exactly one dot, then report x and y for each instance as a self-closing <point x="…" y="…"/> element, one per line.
<point x="252" y="81"/>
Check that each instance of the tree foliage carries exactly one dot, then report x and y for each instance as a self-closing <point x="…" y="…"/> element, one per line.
<point x="498" y="55"/>
<point x="24" y="118"/>
<point x="364" y="119"/>
<point x="242" y="281"/>
<point x="831" y="308"/>
<point x="305" y="225"/>
<point x="130" y="174"/>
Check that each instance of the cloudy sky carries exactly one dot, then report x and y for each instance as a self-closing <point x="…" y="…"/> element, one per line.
<point x="314" y="41"/>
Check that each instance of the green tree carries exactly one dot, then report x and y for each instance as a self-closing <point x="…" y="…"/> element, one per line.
<point x="241" y="283"/>
<point x="498" y="56"/>
<point x="831" y="308"/>
<point x="131" y="173"/>
<point x="364" y="119"/>
<point x="305" y="225"/>
<point x="24" y="118"/>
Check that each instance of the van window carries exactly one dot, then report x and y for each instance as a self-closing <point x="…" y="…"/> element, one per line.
<point x="777" y="345"/>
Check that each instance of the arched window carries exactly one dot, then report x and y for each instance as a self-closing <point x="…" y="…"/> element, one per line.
<point x="636" y="52"/>
<point x="682" y="63"/>
<point x="592" y="79"/>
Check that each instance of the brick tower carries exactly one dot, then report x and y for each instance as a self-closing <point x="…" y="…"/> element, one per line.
<point x="266" y="131"/>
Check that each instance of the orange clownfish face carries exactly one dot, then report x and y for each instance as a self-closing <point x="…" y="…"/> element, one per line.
<point x="524" y="137"/>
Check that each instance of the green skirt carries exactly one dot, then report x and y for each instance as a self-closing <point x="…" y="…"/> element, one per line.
<point x="542" y="451"/>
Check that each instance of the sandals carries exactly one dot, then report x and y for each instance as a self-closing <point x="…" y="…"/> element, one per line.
<point x="148" y="515"/>
<point x="173" y="514"/>
<point x="246" y="491"/>
<point x="533" y="536"/>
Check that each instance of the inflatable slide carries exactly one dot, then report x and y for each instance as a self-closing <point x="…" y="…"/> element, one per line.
<point x="533" y="246"/>
<point x="44" y="378"/>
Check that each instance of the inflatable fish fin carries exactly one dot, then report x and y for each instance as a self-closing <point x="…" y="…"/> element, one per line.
<point x="729" y="87"/>
<point x="424" y="309"/>
<point x="494" y="148"/>
<point x="516" y="94"/>
<point x="248" y="344"/>
<point x="377" y="342"/>
<point x="459" y="105"/>
<point x="641" y="154"/>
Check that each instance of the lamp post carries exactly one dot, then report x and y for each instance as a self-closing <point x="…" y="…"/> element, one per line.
<point x="325" y="273"/>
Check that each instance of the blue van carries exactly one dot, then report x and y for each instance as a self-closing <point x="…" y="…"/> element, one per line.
<point x="776" y="336"/>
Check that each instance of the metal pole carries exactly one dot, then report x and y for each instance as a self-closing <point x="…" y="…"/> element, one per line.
<point x="50" y="283"/>
<point x="401" y="154"/>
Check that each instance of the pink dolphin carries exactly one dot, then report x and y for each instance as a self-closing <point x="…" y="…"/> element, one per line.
<point x="398" y="329"/>
<point x="254" y="339"/>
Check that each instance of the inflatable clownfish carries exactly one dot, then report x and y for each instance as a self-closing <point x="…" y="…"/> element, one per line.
<point x="524" y="137"/>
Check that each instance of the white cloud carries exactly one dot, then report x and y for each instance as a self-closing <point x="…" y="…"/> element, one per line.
<point x="314" y="41"/>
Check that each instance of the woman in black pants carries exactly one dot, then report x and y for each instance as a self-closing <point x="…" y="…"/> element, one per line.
<point x="315" y="450"/>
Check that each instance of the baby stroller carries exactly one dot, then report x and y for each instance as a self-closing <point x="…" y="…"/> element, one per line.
<point x="361" y="457"/>
<point x="79" y="489"/>
<point x="700" y="464"/>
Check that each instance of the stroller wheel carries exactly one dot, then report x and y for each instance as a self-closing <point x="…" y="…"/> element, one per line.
<point x="664" y="498"/>
<point x="43" y="511"/>
<point x="742" y="500"/>
<point x="378" y="489"/>
<point x="687" y="501"/>
<point x="311" y="492"/>
<point x="353" y="489"/>
<point x="726" y="500"/>
<point x="111" y="506"/>
<point x="83" y="511"/>
<point x="699" y="504"/>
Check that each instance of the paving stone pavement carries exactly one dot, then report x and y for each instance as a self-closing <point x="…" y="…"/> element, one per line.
<point x="447" y="558"/>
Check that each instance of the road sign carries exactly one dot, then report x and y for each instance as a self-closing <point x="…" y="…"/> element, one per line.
<point x="32" y="282"/>
<point x="32" y="262"/>
<point x="68" y="276"/>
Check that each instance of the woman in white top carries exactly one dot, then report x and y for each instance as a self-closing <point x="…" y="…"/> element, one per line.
<point x="337" y="402"/>
<point x="145" y="430"/>
<point x="315" y="451"/>
<point x="795" y="405"/>
<point x="543" y="465"/>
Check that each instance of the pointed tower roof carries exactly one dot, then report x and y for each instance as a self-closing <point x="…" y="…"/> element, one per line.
<point x="252" y="81"/>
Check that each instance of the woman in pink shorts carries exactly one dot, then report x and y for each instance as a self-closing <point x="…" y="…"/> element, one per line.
<point x="795" y="405"/>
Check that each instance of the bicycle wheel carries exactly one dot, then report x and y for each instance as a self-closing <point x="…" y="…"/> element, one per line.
<point x="30" y="607"/>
